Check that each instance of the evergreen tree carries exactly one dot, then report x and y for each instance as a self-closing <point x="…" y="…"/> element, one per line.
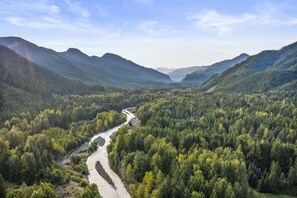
<point x="2" y="189"/>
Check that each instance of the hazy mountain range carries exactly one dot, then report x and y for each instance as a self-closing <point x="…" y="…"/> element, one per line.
<point x="109" y="70"/>
<point x="203" y="74"/>
<point x="179" y="74"/>
<point x="42" y="71"/>
<point x="165" y="70"/>
<point x="199" y="74"/>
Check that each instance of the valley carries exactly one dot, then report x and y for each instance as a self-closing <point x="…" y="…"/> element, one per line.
<point x="148" y="99"/>
<point x="234" y="135"/>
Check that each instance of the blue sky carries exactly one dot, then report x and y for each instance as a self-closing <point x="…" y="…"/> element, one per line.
<point x="154" y="33"/>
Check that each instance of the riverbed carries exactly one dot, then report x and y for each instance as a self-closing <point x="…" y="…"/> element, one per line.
<point x="107" y="190"/>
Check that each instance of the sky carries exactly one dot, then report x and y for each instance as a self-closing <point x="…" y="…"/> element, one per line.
<point x="154" y="33"/>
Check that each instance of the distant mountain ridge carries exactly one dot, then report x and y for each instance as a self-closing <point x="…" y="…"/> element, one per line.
<point x="199" y="74"/>
<point x="205" y="73"/>
<point x="266" y="71"/>
<point x="164" y="70"/>
<point x="110" y="70"/>
<point x="179" y="74"/>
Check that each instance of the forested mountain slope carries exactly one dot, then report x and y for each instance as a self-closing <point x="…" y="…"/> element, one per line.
<point x="23" y="74"/>
<point x="24" y="85"/>
<point x="268" y="70"/>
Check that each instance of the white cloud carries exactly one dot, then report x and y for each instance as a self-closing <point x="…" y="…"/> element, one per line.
<point x="57" y="24"/>
<point x="43" y="14"/>
<point x="151" y="27"/>
<point x="148" y="27"/>
<point x="77" y="8"/>
<point x="211" y="20"/>
<point x="40" y="23"/>
<point x="35" y="6"/>
<point x="54" y="9"/>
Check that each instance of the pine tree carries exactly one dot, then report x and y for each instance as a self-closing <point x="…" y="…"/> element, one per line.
<point x="273" y="179"/>
<point x="2" y="188"/>
<point x="292" y="175"/>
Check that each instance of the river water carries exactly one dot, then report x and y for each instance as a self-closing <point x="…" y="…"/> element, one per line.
<point x="105" y="189"/>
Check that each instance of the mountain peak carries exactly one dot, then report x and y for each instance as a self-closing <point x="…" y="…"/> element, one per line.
<point x="243" y="54"/>
<point x="112" y="56"/>
<point x="13" y="40"/>
<point x="74" y="51"/>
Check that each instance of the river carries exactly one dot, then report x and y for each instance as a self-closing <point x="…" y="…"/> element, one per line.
<point x="106" y="190"/>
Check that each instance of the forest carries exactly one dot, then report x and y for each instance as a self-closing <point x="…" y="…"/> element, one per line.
<point x="189" y="144"/>
<point x="31" y="143"/>
<point x="210" y="145"/>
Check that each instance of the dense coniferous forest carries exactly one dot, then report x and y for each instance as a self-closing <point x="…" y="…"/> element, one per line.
<point x="189" y="144"/>
<point x="221" y="145"/>
<point x="31" y="143"/>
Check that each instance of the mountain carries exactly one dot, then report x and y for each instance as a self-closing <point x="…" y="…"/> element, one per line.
<point x="164" y="70"/>
<point x="130" y="71"/>
<point x="26" y="86"/>
<point x="23" y="74"/>
<point x="109" y="70"/>
<point x="204" y="74"/>
<point x="268" y="70"/>
<point x="179" y="74"/>
<point x="200" y="74"/>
